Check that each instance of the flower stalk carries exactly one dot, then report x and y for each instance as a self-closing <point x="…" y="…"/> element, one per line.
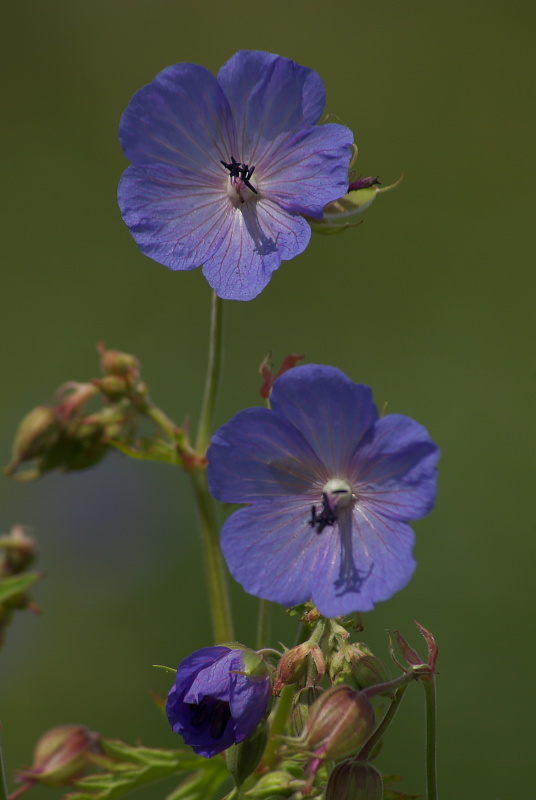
<point x="214" y="567"/>
<point x="431" y="767"/>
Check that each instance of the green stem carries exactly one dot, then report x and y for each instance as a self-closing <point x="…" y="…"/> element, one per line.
<point x="263" y="624"/>
<point x="215" y="351"/>
<point x="220" y="605"/>
<point x="3" y="779"/>
<point x="366" y="750"/>
<point x="431" y="770"/>
<point x="215" y="569"/>
<point x="160" y="418"/>
<point x="278" y="726"/>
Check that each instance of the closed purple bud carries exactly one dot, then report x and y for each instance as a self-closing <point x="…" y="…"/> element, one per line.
<point x="220" y="696"/>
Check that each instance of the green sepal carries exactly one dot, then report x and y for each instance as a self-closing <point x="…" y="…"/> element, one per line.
<point x="244" y="758"/>
<point x="171" y="670"/>
<point x="127" y="768"/>
<point x="14" y="587"/>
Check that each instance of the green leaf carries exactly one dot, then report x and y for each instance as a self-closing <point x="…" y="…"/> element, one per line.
<point x="128" y="768"/>
<point x="13" y="587"/>
<point x="149" y="450"/>
<point x="201" y="785"/>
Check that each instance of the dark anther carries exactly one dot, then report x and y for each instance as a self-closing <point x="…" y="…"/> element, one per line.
<point x="328" y="515"/>
<point x="219" y="718"/>
<point x="243" y="171"/>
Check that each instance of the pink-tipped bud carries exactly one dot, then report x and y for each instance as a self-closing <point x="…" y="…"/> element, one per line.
<point x="355" y="780"/>
<point x="61" y="755"/>
<point x="19" y="551"/>
<point x="295" y="663"/>
<point x="72" y="398"/>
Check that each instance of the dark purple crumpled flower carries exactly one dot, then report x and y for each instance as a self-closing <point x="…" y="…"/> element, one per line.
<point x="224" y="168"/>
<point x="213" y="703"/>
<point x="331" y="488"/>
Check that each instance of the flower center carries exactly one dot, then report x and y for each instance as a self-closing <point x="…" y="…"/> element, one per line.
<point x="336" y="494"/>
<point x="240" y="175"/>
<point x="210" y="711"/>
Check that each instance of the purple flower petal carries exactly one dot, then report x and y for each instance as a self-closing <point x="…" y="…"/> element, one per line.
<point x="330" y="411"/>
<point x="182" y="119"/>
<point x="268" y="459"/>
<point x="271" y="550"/>
<point x="398" y="469"/>
<point x="370" y="559"/>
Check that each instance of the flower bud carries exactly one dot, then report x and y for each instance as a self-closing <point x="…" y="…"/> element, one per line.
<point x="355" y="780"/>
<point x="295" y="662"/>
<point x="61" y="755"/>
<point x="340" y="721"/>
<point x="301" y="706"/>
<point x="37" y="432"/>
<point x="114" y="362"/>
<point x="356" y="662"/>
<point x="344" y="213"/>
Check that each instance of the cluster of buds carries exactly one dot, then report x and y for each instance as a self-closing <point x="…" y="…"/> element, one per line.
<point x="18" y="553"/>
<point x="66" y="435"/>
<point x="61" y="756"/>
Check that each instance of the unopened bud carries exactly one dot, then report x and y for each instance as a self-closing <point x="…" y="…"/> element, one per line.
<point x="356" y="662"/>
<point x="37" y="432"/>
<point x="295" y="662"/>
<point x="345" y="213"/>
<point x="19" y="551"/>
<point x="114" y="362"/>
<point x="341" y="720"/>
<point x="301" y="707"/>
<point x="355" y="780"/>
<point x="61" y="755"/>
<point x="73" y="397"/>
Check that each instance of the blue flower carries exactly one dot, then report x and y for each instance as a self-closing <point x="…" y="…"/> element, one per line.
<point x="331" y="489"/>
<point x="220" y="696"/>
<point x="224" y="168"/>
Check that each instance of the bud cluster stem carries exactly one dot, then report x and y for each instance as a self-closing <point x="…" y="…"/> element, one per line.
<point x="366" y="750"/>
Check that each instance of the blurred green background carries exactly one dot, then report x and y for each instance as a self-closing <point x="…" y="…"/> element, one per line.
<point x="430" y="301"/>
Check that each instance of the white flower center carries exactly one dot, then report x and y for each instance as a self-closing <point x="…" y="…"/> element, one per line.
<point x="339" y="492"/>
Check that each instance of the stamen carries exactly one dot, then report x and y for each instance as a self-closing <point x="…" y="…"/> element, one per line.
<point x="327" y="517"/>
<point x="241" y="172"/>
